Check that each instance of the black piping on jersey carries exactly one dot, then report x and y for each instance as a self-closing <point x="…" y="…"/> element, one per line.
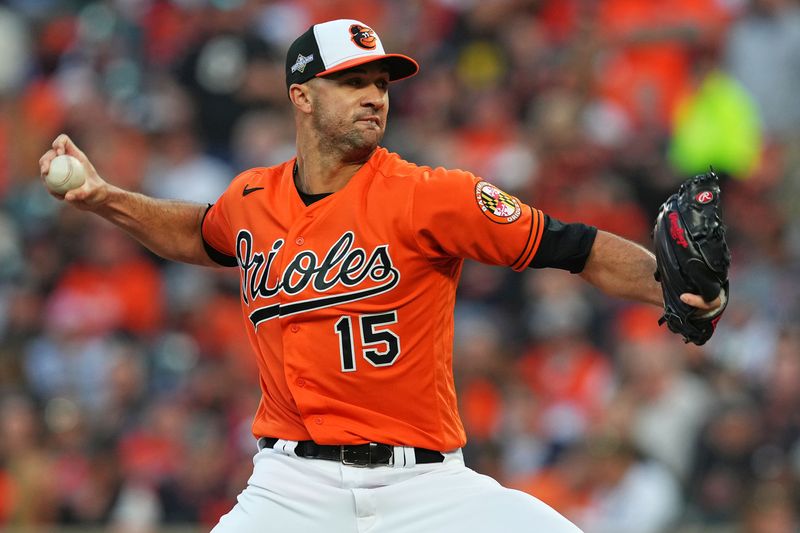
<point x="534" y="239"/>
<point x="275" y="310"/>
<point x="527" y="241"/>
<point x="215" y="255"/>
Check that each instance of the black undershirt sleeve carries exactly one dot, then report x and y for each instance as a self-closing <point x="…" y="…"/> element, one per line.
<point x="564" y="246"/>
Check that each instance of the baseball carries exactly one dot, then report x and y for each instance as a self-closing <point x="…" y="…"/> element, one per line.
<point x="66" y="173"/>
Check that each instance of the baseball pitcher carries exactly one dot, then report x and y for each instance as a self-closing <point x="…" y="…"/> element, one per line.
<point x="349" y="258"/>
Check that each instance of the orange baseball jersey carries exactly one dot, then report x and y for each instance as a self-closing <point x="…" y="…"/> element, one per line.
<point x="349" y="301"/>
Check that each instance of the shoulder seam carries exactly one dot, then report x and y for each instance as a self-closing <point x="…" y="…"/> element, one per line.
<point x="414" y="185"/>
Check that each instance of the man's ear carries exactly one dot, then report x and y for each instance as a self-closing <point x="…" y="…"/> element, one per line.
<point x="300" y="95"/>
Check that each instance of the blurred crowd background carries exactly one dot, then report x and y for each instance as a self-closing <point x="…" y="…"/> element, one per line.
<point x="127" y="386"/>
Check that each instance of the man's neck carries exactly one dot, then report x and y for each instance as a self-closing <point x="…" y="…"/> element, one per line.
<point x="324" y="171"/>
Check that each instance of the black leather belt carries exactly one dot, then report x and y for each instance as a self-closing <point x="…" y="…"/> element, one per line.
<point x="370" y="454"/>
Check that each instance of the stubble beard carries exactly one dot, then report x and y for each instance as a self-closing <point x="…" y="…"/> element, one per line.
<point x="343" y="136"/>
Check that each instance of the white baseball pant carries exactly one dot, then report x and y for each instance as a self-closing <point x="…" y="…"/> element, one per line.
<point x="291" y="494"/>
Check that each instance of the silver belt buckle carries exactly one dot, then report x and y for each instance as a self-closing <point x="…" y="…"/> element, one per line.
<point x="362" y="458"/>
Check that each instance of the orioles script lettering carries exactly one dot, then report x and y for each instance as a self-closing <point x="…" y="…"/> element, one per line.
<point x="344" y="265"/>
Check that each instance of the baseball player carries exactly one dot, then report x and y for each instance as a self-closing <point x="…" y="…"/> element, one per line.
<point x="349" y="259"/>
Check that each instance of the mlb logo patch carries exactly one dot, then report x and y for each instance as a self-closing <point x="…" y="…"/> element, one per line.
<point x="302" y="61"/>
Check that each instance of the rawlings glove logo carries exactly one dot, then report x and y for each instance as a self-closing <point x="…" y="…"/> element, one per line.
<point x="704" y="197"/>
<point x="676" y="231"/>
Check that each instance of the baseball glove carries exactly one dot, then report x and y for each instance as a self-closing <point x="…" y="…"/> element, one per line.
<point x="692" y="256"/>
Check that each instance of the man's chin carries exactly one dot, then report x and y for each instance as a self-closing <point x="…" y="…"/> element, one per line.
<point x="362" y="146"/>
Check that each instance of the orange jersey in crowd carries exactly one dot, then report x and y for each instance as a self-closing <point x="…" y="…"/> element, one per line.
<point x="349" y="301"/>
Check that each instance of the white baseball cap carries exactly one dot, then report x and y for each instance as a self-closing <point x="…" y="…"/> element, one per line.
<point x="338" y="45"/>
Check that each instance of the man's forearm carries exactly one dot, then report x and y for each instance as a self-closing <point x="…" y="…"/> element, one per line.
<point x="169" y="228"/>
<point x="622" y="268"/>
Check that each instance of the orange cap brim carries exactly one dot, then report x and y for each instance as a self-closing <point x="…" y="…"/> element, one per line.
<point x="400" y="66"/>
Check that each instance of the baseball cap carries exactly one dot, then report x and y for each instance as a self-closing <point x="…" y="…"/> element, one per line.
<point x="338" y="45"/>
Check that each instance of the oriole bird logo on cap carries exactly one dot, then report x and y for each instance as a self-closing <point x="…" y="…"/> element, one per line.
<point x="363" y="37"/>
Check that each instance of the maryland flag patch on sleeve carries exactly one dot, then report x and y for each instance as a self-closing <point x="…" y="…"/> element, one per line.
<point x="496" y="205"/>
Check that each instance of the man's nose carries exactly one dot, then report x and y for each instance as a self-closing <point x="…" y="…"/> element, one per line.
<point x="374" y="97"/>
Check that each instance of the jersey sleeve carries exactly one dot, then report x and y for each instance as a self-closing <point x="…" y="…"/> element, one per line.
<point x="456" y="214"/>
<point x="217" y="232"/>
<point x="212" y="230"/>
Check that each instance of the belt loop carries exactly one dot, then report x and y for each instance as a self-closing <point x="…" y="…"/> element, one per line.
<point x="399" y="457"/>
<point x="410" y="455"/>
<point x="404" y="457"/>
<point x="286" y="446"/>
<point x="456" y="454"/>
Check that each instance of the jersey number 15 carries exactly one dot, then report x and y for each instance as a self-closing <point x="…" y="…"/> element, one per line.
<point x="381" y="347"/>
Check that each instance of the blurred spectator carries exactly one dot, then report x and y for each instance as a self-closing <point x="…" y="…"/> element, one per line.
<point x="725" y="460"/>
<point x="781" y="392"/>
<point x="763" y="52"/>
<point x="629" y="493"/>
<point x="15" y="46"/>
<point x="668" y="405"/>
<point x="181" y="171"/>
<point x="647" y="60"/>
<point x="112" y="286"/>
<point x="228" y="71"/>
<point x="262" y="138"/>
<point x="198" y="490"/>
<point x="479" y="352"/>
<point x="571" y="382"/>
<point x="716" y="125"/>
<point x="565" y="484"/>
<point x="770" y="509"/>
<point x="29" y="489"/>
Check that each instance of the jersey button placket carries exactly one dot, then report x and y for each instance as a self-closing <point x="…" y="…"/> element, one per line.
<point x="299" y="241"/>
